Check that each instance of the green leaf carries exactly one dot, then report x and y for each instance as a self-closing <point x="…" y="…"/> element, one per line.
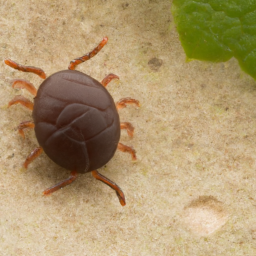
<point x="216" y="30"/>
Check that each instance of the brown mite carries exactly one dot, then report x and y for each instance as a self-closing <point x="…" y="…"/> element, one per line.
<point x="75" y="120"/>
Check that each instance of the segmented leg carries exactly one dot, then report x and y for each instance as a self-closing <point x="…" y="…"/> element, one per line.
<point x="111" y="184"/>
<point x="130" y="150"/>
<point x="35" y="70"/>
<point x="75" y="62"/>
<point x="61" y="184"/>
<point x="123" y="103"/>
<point x="128" y="126"/>
<point x="24" y="125"/>
<point x="34" y="154"/>
<point x="23" y="101"/>
<point x="108" y="79"/>
<point x="24" y="84"/>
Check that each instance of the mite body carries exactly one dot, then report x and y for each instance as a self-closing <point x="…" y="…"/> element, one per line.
<point x="75" y="120"/>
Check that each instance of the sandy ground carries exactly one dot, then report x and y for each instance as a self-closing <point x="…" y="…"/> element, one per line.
<point x="192" y="190"/>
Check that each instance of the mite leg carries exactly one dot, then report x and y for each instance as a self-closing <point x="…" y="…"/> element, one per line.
<point x="34" y="154"/>
<point x="111" y="184"/>
<point x="127" y="149"/>
<point x="24" y="125"/>
<point x="35" y="70"/>
<point x="128" y="126"/>
<point x="23" y="101"/>
<point x="123" y="103"/>
<point x="108" y="79"/>
<point x="24" y="84"/>
<point x="75" y="62"/>
<point x="61" y="184"/>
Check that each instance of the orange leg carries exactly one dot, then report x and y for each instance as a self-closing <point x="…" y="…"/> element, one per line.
<point x="111" y="184"/>
<point x="24" y="125"/>
<point x="34" y="154"/>
<point x="123" y="103"/>
<point x="130" y="150"/>
<point x="108" y="79"/>
<point x="128" y="126"/>
<point x="61" y="184"/>
<point x="35" y="70"/>
<point x="24" y="84"/>
<point x="75" y="62"/>
<point x="23" y="101"/>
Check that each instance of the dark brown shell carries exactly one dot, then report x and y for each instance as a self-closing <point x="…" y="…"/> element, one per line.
<point x="76" y="121"/>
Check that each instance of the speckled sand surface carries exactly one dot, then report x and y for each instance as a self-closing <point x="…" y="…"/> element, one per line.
<point x="192" y="190"/>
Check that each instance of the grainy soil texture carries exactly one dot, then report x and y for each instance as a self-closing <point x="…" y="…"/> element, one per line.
<point x="192" y="190"/>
